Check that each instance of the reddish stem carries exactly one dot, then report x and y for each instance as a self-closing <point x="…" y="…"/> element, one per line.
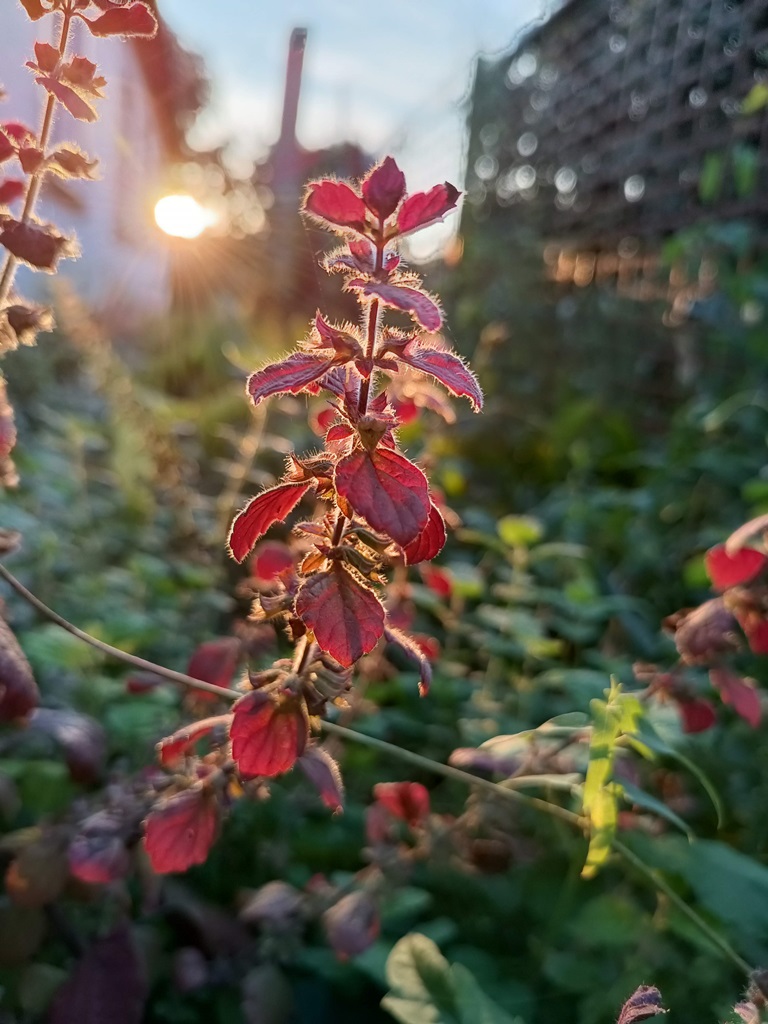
<point x="373" y="322"/>
<point x="36" y="179"/>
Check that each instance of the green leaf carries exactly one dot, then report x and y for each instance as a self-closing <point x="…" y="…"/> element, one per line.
<point x="603" y="817"/>
<point x="645" y="739"/>
<point x="618" y="715"/>
<point x="745" y="166"/>
<point x="756" y="99"/>
<point x="426" y="989"/>
<point x="711" y="177"/>
<point x="634" y="795"/>
<point x="520" y="531"/>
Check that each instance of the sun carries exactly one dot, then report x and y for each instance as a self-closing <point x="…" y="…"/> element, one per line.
<point x="182" y="216"/>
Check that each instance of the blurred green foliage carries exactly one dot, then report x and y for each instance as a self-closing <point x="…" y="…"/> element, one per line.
<point x="614" y="451"/>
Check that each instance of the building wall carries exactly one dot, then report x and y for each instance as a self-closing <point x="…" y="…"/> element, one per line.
<point x="123" y="271"/>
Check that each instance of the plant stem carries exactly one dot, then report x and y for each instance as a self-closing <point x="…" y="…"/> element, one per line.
<point x="448" y="772"/>
<point x="36" y="179"/>
<point x="373" y="329"/>
<point x="663" y="886"/>
<point x="115" y="652"/>
<point x="390" y="749"/>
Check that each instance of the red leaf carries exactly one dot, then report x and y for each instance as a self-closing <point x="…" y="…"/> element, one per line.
<point x="74" y="103"/>
<point x="336" y="203"/>
<point x="697" y="714"/>
<point x="215" y="661"/>
<point x="409" y="646"/>
<point x="10" y="190"/>
<point x="346" y="617"/>
<point x="270" y="560"/>
<point x="438" y="580"/>
<point x="444" y="366"/>
<point x="739" y="693"/>
<point x="426" y="207"/>
<point x="30" y="158"/>
<point x="383" y="188"/>
<point x="260" y="513"/>
<point x="430" y="541"/>
<point x="135" y="20"/>
<point x="97" y="854"/>
<point x="729" y="570"/>
<point x="268" y="732"/>
<point x="180" y="830"/>
<point x="143" y="682"/>
<point x="173" y="748"/>
<point x="34" y="9"/>
<point x="107" y="984"/>
<point x="412" y="300"/>
<point x="80" y="73"/>
<point x="323" y="772"/>
<point x="18" y="689"/>
<point x="408" y="801"/>
<point x="289" y="376"/>
<point x="756" y="630"/>
<point x="7" y="149"/>
<point x="387" y="490"/>
<point x="47" y="57"/>
<point x="35" y="244"/>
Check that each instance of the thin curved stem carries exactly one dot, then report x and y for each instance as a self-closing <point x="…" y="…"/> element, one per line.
<point x="390" y="749"/>
<point x="114" y="652"/>
<point x="448" y="772"/>
<point x="663" y="886"/>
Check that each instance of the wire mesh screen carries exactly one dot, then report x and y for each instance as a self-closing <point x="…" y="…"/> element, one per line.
<point x="627" y="118"/>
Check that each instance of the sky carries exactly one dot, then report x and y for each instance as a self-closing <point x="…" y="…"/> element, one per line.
<point x="392" y="77"/>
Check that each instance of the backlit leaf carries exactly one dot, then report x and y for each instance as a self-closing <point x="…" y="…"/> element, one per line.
<point x="383" y="188"/>
<point x="425" y="208"/>
<point x="324" y="774"/>
<point x="260" y="513"/>
<point x="73" y="101"/>
<point x="173" y="748"/>
<point x="268" y="732"/>
<point x="430" y="541"/>
<point x="336" y="203"/>
<point x="411" y="648"/>
<point x="10" y="190"/>
<point x="387" y="490"/>
<point x="446" y="367"/>
<point x="346" y="617"/>
<point x="134" y="20"/>
<point x="34" y="9"/>
<point x="180" y="830"/>
<point x="421" y="306"/>
<point x="35" y="244"/>
<point x="289" y="376"/>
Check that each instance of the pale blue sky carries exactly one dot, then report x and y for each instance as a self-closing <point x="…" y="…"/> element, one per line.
<point x="389" y="76"/>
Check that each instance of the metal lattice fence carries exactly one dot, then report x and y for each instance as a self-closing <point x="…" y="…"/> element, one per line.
<point x="628" y="118"/>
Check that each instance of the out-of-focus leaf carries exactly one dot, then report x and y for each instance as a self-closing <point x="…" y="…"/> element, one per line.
<point x="107" y="984"/>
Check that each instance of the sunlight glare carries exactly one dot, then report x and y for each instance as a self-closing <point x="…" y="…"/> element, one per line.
<point x="182" y="216"/>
